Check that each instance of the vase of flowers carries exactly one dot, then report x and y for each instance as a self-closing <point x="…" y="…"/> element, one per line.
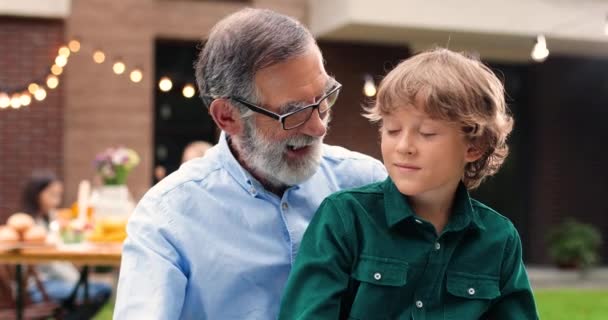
<point x="112" y="202"/>
<point x="114" y="164"/>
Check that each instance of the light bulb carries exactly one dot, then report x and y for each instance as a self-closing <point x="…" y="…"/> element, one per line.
<point x="188" y="91"/>
<point x="5" y="100"/>
<point x="32" y="88"/>
<point x="52" y="81"/>
<point x="74" y="45"/>
<point x="16" y="101"/>
<point x="540" y="51"/>
<point x="26" y="99"/>
<point x="99" y="56"/>
<point x="56" y="70"/>
<point x="165" y="84"/>
<point x="61" y="61"/>
<point x="40" y="94"/>
<point x="118" y="67"/>
<point x="64" y="51"/>
<point x="369" y="87"/>
<point x="136" y="75"/>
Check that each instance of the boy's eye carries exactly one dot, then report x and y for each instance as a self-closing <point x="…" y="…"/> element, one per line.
<point x="427" y="134"/>
<point x="392" y="131"/>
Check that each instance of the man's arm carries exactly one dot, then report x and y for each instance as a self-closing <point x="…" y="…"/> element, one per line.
<point x="152" y="282"/>
<point x="516" y="301"/>
<point x="321" y="271"/>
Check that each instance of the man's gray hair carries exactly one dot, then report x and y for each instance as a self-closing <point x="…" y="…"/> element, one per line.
<point x="242" y="44"/>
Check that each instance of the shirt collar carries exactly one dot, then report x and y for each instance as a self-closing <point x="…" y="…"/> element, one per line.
<point x="397" y="208"/>
<point x="234" y="168"/>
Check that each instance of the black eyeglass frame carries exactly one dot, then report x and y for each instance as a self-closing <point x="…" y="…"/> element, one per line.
<point x="281" y="117"/>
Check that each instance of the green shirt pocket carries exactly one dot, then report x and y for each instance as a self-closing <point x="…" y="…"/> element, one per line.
<point x="380" y="282"/>
<point x="469" y="295"/>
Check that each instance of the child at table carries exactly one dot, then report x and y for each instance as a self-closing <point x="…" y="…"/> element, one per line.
<point x="42" y="194"/>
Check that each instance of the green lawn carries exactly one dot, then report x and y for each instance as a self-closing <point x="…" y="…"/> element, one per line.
<point x="572" y="304"/>
<point x="568" y="304"/>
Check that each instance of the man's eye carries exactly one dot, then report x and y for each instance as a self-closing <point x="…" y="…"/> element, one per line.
<point x="428" y="134"/>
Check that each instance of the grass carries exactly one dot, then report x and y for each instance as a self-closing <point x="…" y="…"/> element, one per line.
<point x="106" y="312"/>
<point x="572" y="304"/>
<point x="566" y="304"/>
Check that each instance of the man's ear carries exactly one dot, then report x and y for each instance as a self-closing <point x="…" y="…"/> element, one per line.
<point x="226" y="116"/>
<point x="473" y="154"/>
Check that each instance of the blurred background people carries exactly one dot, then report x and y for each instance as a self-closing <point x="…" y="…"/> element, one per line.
<point x="42" y="196"/>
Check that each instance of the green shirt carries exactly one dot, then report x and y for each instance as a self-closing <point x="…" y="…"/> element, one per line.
<point x="366" y="255"/>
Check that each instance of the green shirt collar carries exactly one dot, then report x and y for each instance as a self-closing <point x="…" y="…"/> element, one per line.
<point x="463" y="216"/>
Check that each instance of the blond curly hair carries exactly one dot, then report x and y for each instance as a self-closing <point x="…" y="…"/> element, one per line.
<point x="452" y="87"/>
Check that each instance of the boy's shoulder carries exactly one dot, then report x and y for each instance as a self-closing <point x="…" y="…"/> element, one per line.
<point x="491" y="218"/>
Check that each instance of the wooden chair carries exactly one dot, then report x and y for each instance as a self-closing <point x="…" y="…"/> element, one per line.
<point x="8" y="299"/>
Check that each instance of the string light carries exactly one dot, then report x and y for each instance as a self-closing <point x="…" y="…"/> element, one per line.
<point x="369" y="87"/>
<point x="136" y="75"/>
<point x="26" y="99"/>
<point x="64" y="51"/>
<point x="74" y="46"/>
<point x="16" y="101"/>
<point x="52" y="81"/>
<point x="540" y="51"/>
<point x="165" y="84"/>
<point x="188" y="91"/>
<point x="61" y="61"/>
<point x="32" y="88"/>
<point x="119" y="67"/>
<point x="99" y="56"/>
<point x="5" y="100"/>
<point x="40" y="94"/>
<point x="56" y="70"/>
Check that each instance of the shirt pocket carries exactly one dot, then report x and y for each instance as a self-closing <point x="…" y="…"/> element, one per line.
<point x="469" y="295"/>
<point x="381" y="280"/>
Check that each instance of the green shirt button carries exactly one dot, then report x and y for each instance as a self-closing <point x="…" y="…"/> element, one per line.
<point x="377" y="276"/>
<point x="471" y="291"/>
<point x="419" y="304"/>
<point x="437" y="246"/>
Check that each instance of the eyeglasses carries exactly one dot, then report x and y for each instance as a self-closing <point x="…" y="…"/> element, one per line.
<point x="296" y="118"/>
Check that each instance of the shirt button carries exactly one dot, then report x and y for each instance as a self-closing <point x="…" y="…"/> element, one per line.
<point x="252" y="191"/>
<point x="471" y="291"/>
<point x="377" y="276"/>
<point x="418" y="221"/>
<point x="437" y="245"/>
<point x="419" y="304"/>
<point x="284" y="205"/>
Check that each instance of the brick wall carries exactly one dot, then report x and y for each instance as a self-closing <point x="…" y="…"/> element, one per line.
<point x="30" y="137"/>
<point x="103" y="109"/>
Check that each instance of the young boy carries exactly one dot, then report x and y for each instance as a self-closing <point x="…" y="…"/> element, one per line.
<point x="416" y="246"/>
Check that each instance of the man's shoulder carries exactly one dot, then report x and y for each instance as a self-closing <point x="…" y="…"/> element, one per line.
<point x="350" y="168"/>
<point x="196" y="172"/>
<point x="337" y="153"/>
<point x="343" y="158"/>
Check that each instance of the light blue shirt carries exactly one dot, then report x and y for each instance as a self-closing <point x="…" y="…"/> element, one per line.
<point x="209" y="242"/>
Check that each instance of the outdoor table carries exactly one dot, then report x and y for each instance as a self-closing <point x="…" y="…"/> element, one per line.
<point x="85" y="254"/>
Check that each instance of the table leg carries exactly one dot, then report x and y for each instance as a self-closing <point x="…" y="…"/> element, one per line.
<point x="85" y="278"/>
<point x="20" y="291"/>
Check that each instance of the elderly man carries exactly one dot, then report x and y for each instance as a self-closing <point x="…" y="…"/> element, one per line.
<point x="217" y="239"/>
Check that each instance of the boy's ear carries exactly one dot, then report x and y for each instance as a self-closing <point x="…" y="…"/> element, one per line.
<point x="226" y="116"/>
<point x="472" y="154"/>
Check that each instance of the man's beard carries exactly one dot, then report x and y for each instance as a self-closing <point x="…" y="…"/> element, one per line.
<point x="269" y="161"/>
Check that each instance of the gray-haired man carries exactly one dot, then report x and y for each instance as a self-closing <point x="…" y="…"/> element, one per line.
<point x="216" y="239"/>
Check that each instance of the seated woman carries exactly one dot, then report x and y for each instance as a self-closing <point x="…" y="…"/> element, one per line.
<point x="42" y="194"/>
